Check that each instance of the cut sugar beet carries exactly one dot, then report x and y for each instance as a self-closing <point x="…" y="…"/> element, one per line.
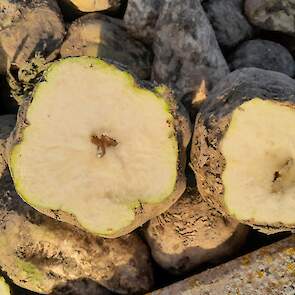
<point x="4" y="288"/>
<point x="94" y="149"/>
<point x="93" y="5"/>
<point x="243" y="149"/>
<point x="261" y="160"/>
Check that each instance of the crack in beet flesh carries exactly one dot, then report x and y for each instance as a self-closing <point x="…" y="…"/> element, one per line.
<point x="102" y="143"/>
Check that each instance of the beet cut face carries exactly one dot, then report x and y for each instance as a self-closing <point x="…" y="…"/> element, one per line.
<point x="97" y="147"/>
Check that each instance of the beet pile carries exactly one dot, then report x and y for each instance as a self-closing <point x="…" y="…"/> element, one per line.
<point x="141" y="138"/>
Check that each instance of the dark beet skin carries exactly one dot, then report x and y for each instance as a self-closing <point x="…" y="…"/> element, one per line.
<point x="186" y="51"/>
<point x="141" y="17"/>
<point x="272" y="15"/>
<point x="228" y="21"/>
<point x="263" y="54"/>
